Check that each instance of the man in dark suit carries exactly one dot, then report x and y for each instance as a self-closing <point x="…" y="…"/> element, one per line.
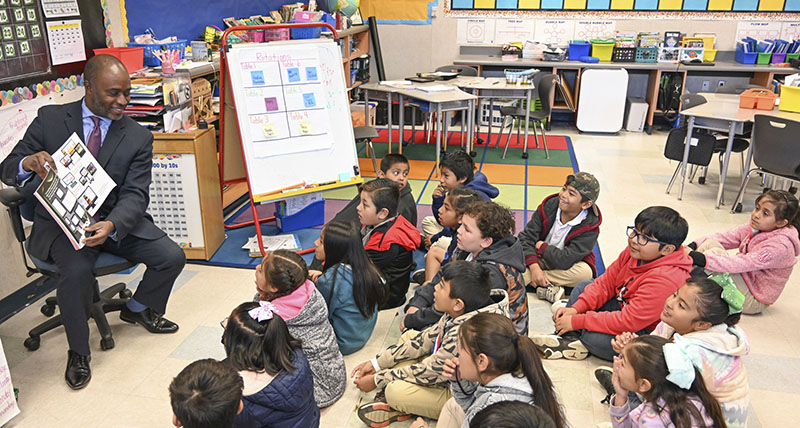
<point x="125" y="150"/>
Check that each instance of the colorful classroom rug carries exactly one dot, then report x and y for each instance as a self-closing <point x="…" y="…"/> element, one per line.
<point x="523" y="183"/>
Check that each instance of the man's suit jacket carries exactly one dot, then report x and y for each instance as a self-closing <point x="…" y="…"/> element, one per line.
<point x="126" y="155"/>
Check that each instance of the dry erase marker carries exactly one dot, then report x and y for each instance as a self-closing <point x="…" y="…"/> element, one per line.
<point x="328" y="183"/>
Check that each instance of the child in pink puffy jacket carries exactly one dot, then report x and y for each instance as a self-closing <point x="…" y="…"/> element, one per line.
<point x="768" y="248"/>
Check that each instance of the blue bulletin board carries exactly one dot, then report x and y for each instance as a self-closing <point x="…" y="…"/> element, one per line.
<point x="187" y="19"/>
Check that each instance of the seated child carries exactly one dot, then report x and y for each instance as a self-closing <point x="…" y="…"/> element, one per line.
<point x="486" y="236"/>
<point x="559" y="238"/>
<point x="411" y="370"/>
<point x="388" y="238"/>
<point x="768" y="248"/>
<point x="272" y="363"/>
<point x="281" y="278"/>
<point x="395" y="167"/>
<point x="506" y="367"/>
<point x="673" y="390"/>
<point x="629" y="296"/>
<point x="450" y="216"/>
<point x="206" y="393"/>
<point x="350" y="284"/>
<point x="702" y="317"/>
<point x="512" y="414"/>
<point x="455" y="168"/>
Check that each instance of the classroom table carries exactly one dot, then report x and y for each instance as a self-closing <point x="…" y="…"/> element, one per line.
<point x="721" y="112"/>
<point x="444" y="101"/>
<point x="489" y="88"/>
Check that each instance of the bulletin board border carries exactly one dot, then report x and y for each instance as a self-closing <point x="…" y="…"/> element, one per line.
<point x="618" y="14"/>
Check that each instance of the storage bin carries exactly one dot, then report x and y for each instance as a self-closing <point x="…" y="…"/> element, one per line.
<point x="602" y="49"/>
<point x="310" y="216"/>
<point x="760" y="99"/>
<point x="790" y="99"/>
<point x="746" y="57"/>
<point x="272" y="34"/>
<point x="692" y="54"/>
<point x="709" y="55"/>
<point x="518" y="76"/>
<point x="763" y="58"/>
<point x="578" y="48"/>
<point x="792" y="56"/>
<point x="150" y="59"/>
<point x="669" y="54"/>
<point x="646" y="54"/>
<point x="554" y="56"/>
<point x="778" y="58"/>
<point x="623" y="54"/>
<point x="312" y="32"/>
<point x="132" y="58"/>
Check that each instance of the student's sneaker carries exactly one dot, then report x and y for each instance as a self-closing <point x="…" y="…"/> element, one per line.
<point x="418" y="277"/>
<point x="551" y="293"/>
<point x="603" y="375"/>
<point x="554" y="347"/>
<point x="558" y="304"/>
<point x="378" y="415"/>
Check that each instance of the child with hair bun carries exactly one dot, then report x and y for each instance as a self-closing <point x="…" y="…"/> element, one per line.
<point x="271" y="362"/>
<point x="704" y="313"/>
<point x="768" y="248"/>
<point x="282" y="279"/>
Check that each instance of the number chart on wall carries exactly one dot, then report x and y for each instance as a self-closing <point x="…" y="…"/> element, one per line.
<point x="293" y="114"/>
<point x="692" y="6"/>
<point x="174" y="201"/>
<point x="23" y="48"/>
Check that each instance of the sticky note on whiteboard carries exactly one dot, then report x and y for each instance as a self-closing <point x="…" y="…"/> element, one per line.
<point x="311" y="73"/>
<point x="305" y="128"/>
<point x="293" y="74"/>
<point x="272" y="103"/>
<point x="308" y="100"/>
<point x="269" y="130"/>
<point x="257" y="77"/>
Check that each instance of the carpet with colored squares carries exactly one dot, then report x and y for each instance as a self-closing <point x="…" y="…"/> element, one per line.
<point x="523" y="183"/>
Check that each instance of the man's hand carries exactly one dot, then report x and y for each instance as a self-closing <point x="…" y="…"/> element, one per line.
<point x="538" y="278"/>
<point x="37" y="161"/>
<point x="439" y="191"/>
<point x="562" y="312"/>
<point x="98" y="233"/>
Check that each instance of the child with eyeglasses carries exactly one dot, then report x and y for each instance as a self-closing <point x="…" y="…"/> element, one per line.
<point x="629" y="296"/>
<point x="768" y="248"/>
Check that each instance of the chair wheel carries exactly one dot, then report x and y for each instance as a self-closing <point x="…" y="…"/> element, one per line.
<point x="125" y="294"/>
<point x="32" y="343"/>
<point x="48" y="310"/>
<point x="107" y="344"/>
<point x="793" y="190"/>
<point x="473" y="153"/>
<point x="701" y="180"/>
<point x="524" y="155"/>
<point x="479" y="142"/>
<point x="738" y="208"/>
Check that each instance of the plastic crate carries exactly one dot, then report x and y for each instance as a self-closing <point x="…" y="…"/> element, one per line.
<point x="761" y="99"/>
<point x="132" y="58"/>
<point x="692" y="54"/>
<point x="646" y="54"/>
<point x="790" y="99"/>
<point x="669" y="54"/>
<point x="273" y="34"/>
<point x="778" y="58"/>
<point x="602" y="50"/>
<point x="623" y="54"/>
<point x="310" y="216"/>
<point x="579" y="48"/>
<point x="554" y="56"/>
<point x="709" y="55"/>
<point x="763" y="58"/>
<point x="745" y="57"/>
<point x="151" y="60"/>
<point x="312" y="32"/>
<point x="493" y="115"/>
<point x="792" y="56"/>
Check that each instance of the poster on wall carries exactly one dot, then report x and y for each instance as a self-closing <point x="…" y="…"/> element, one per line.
<point x="513" y="30"/>
<point x="759" y="30"/>
<point x="475" y="31"/>
<point x="557" y="31"/>
<point x="23" y="49"/>
<point x="66" y="41"/>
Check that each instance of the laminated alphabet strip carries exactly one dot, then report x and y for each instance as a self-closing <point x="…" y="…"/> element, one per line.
<point x="23" y="93"/>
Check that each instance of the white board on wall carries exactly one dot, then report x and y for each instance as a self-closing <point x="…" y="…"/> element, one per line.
<point x="293" y="114"/>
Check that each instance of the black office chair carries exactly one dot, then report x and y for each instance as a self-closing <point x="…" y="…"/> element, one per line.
<point x="545" y="84"/>
<point x="774" y="140"/>
<point x="20" y="204"/>
<point x="366" y="134"/>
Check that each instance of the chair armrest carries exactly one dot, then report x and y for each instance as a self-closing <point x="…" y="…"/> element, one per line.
<point x="12" y="199"/>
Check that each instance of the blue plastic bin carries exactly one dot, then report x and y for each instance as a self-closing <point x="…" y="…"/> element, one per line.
<point x="746" y="57"/>
<point x="578" y="48"/>
<point x="310" y="216"/>
<point x="312" y="32"/>
<point x="150" y="59"/>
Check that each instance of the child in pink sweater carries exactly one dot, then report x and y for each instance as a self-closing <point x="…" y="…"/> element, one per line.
<point x="768" y="247"/>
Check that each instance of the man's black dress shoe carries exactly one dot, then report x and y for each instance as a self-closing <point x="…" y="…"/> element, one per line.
<point x="78" y="372"/>
<point x="149" y="319"/>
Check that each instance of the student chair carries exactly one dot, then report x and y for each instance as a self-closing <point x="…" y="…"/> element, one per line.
<point x="772" y="140"/>
<point x="545" y="86"/>
<point x="366" y="134"/>
<point x="20" y="204"/>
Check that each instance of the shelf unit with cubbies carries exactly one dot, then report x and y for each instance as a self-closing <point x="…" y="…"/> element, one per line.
<point x="355" y="43"/>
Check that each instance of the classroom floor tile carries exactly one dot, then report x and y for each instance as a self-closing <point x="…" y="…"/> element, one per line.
<point x="129" y="387"/>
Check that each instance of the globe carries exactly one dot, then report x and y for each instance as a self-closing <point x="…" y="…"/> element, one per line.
<point x="345" y="7"/>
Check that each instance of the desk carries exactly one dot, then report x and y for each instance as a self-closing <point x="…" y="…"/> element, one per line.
<point x="721" y="112"/>
<point x="444" y="101"/>
<point x="488" y="88"/>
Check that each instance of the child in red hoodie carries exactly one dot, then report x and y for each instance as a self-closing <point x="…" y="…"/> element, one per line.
<point x="629" y="296"/>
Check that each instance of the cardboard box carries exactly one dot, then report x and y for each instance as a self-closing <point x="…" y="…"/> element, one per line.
<point x="357" y="113"/>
